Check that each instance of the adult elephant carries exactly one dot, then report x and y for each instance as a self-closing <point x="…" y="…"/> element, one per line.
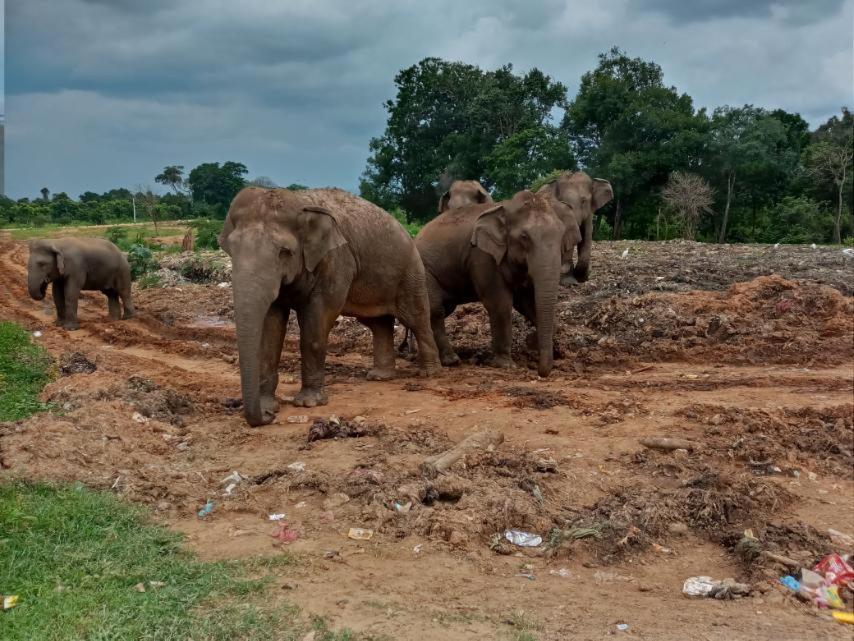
<point x="575" y="196"/>
<point x="462" y="193"/>
<point x="75" y="264"/>
<point x="322" y="253"/>
<point x="506" y="255"/>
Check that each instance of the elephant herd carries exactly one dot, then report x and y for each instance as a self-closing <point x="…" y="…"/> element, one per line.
<point x="325" y="252"/>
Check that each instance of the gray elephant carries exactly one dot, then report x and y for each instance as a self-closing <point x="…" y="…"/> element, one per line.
<point x="462" y="193"/>
<point x="74" y="264"/>
<point x="507" y="256"/>
<point x="575" y="196"/>
<point x="322" y="253"/>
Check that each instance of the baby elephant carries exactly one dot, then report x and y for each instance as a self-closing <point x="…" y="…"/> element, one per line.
<point x="72" y="264"/>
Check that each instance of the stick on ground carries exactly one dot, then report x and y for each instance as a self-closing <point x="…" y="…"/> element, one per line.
<point x="439" y="463"/>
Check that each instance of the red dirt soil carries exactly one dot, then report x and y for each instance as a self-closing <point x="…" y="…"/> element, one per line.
<point x="757" y="375"/>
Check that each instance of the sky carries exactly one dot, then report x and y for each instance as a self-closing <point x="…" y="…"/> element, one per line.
<point x="105" y="93"/>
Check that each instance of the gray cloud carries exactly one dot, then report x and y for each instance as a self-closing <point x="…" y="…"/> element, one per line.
<point x="103" y="93"/>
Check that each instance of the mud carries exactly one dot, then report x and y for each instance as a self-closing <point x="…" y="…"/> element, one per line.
<point x="743" y="350"/>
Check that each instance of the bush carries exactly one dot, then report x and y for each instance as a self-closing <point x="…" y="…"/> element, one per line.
<point x="400" y="216"/>
<point x="141" y="261"/>
<point x="207" y="233"/>
<point x="116" y="235"/>
<point x="149" y="280"/>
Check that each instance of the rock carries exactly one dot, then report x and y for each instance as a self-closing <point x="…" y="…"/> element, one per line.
<point x="289" y="585"/>
<point x="457" y="538"/>
<point x="644" y="587"/>
<point x="163" y="506"/>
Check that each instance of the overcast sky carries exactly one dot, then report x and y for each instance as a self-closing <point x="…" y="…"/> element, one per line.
<point x="105" y="93"/>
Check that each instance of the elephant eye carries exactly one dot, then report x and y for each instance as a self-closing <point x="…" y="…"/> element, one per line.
<point x="286" y="252"/>
<point x="525" y="236"/>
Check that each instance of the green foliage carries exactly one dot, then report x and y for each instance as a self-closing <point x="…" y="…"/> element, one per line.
<point x="24" y="371"/>
<point x="412" y="228"/>
<point x="217" y="185"/>
<point x="452" y="120"/>
<point x="74" y="557"/>
<point x="149" y="280"/>
<point x="207" y="233"/>
<point x="116" y="235"/>
<point x="141" y="260"/>
<point x="797" y="219"/>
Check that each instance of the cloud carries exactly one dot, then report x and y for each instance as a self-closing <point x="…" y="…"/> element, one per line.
<point x="102" y="93"/>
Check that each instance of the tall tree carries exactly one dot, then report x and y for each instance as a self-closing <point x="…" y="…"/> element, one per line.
<point x="629" y="127"/>
<point x="829" y="161"/>
<point x="452" y="120"/>
<point x="173" y="177"/>
<point x="45" y="192"/>
<point x="217" y="185"/>
<point x="690" y="196"/>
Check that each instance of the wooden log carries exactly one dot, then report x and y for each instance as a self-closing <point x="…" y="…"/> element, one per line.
<point x="667" y="444"/>
<point x="187" y="243"/>
<point x="439" y="463"/>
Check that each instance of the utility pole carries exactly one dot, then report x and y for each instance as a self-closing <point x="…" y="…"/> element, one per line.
<point x="133" y="202"/>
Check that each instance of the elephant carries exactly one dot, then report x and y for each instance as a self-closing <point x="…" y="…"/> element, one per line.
<point x="322" y="253"/>
<point x="74" y="264"/>
<point x="575" y="196"/>
<point x="462" y="193"/>
<point x="507" y="256"/>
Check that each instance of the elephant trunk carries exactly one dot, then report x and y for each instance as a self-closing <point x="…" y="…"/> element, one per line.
<point x="545" y="274"/>
<point x="36" y="284"/>
<point x="251" y="303"/>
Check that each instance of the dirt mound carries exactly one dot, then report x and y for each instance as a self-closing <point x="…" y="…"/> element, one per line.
<point x="75" y="363"/>
<point x="783" y="441"/>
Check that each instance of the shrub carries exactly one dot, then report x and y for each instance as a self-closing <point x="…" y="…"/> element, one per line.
<point x="116" y="235"/>
<point x="148" y="280"/>
<point x="141" y="261"/>
<point x="207" y="232"/>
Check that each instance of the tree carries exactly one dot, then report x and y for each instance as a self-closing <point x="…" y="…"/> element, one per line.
<point x="750" y="146"/>
<point x="172" y="176"/>
<point x="147" y="201"/>
<point x="217" y="185"/>
<point x="829" y="161"/>
<point x="627" y="126"/>
<point x="452" y="120"/>
<point x="690" y="196"/>
<point x="45" y="192"/>
<point x="262" y="181"/>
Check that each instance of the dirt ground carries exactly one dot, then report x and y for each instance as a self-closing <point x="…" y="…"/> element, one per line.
<point x="745" y="352"/>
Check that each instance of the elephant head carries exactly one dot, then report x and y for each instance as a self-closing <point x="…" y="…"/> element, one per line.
<point x="462" y="193"/>
<point x="575" y="196"/>
<point x="525" y="236"/>
<point x="45" y="265"/>
<point x="275" y="240"/>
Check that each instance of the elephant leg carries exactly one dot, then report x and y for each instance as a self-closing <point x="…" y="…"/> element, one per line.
<point x="413" y="310"/>
<point x="127" y="303"/>
<point x="499" y="305"/>
<point x="72" y="296"/>
<point x="58" y="288"/>
<point x="447" y="355"/>
<point x="115" y="309"/>
<point x="523" y="302"/>
<point x="382" y="329"/>
<point x="272" y="339"/>
<point x="315" y="322"/>
<point x="582" y="266"/>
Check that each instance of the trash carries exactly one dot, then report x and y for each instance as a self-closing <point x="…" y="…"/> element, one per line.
<point x="229" y="489"/>
<point x="835" y="570"/>
<point x="843" y="617"/>
<point x="666" y="444"/>
<point x="848" y="251"/>
<point x="207" y="509"/>
<point x="402" y="507"/>
<point x="563" y="572"/>
<point x="139" y="418"/>
<point x="790" y="582"/>
<point x="140" y="587"/>
<point x="527" y="575"/>
<point x="233" y="481"/>
<point x="523" y="539"/>
<point x="182" y="446"/>
<point x="706" y="586"/>
<point x="360" y="534"/>
<point x="622" y="627"/>
<point x="300" y="505"/>
<point x="10" y="601"/>
<point x="412" y="411"/>
<point x="223" y="285"/>
<point x="37" y="334"/>
<point x="275" y="517"/>
<point x="840" y="539"/>
<point x="661" y="548"/>
<point x="297" y="466"/>
<point x="813" y="246"/>
<point x="776" y="245"/>
<point x="417" y="549"/>
<point x="285" y="534"/>
<point x="625" y="253"/>
<point x="298" y="418"/>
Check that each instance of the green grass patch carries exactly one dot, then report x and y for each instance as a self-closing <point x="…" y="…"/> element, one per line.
<point x="74" y="557"/>
<point x="24" y="371"/>
<point x="134" y="232"/>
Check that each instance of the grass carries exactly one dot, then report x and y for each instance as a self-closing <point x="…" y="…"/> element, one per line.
<point x="24" y="371"/>
<point x="74" y="557"/>
<point x="144" y="230"/>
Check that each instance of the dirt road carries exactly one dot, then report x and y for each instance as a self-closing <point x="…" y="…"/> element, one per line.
<point x="757" y="376"/>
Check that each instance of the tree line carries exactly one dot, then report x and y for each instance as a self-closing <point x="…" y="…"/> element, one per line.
<point x="735" y="174"/>
<point x="762" y="175"/>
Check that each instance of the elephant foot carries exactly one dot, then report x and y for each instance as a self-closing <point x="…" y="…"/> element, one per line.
<point x="58" y="322"/>
<point x="429" y="370"/>
<point x="580" y="274"/>
<point x="381" y="374"/>
<point x="568" y="280"/>
<point x="127" y="316"/>
<point x="70" y="325"/>
<point x="450" y="359"/>
<point x="503" y="361"/>
<point x="308" y="397"/>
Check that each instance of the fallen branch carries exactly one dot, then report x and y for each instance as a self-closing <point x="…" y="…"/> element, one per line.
<point x="667" y="444"/>
<point x="439" y="463"/>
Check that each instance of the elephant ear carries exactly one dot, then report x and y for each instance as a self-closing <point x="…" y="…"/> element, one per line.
<point x="490" y="233"/>
<point x="571" y="238"/>
<point x="222" y="239"/>
<point x="482" y="195"/>
<point x="320" y="235"/>
<point x="602" y="193"/>
<point x="444" y="200"/>
<point x="60" y="259"/>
